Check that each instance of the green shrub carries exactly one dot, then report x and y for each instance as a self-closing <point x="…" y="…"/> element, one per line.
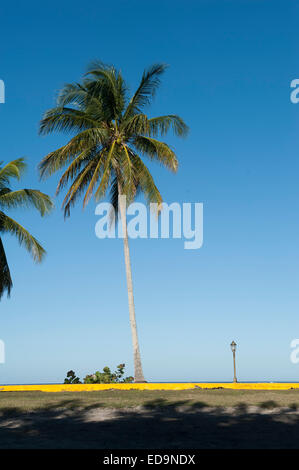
<point x="105" y="377"/>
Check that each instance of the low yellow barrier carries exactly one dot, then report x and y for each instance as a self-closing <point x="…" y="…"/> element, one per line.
<point x="147" y="386"/>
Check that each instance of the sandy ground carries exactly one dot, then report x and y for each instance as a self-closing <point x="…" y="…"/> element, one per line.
<point x="171" y="427"/>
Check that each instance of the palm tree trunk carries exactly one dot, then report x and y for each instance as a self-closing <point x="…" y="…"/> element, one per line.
<point x="138" y="373"/>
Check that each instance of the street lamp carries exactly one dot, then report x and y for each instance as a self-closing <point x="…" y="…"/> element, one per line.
<point x="233" y="348"/>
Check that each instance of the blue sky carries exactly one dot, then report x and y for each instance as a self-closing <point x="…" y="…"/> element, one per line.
<point x="231" y="64"/>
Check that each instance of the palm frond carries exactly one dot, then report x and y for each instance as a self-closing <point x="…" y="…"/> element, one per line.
<point x="160" y="125"/>
<point x="75" y="95"/>
<point x="94" y="178"/>
<point x="104" y="82"/>
<point x="100" y="192"/>
<point x="57" y="159"/>
<point x="135" y="125"/>
<point x="9" y="225"/>
<point x="13" y="169"/>
<point x="157" y="150"/>
<point x="144" y="180"/>
<point x="27" y="198"/>
<point x="75" y="167"/>
<point x="146" y="91"/>
<point x="65" y="120"/>
<point x="78" y="186"/>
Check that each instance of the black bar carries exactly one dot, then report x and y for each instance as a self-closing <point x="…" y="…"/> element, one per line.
<point x="135" y="458"/>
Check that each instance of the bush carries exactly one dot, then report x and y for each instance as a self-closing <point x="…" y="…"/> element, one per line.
<point x="105" y="377"/>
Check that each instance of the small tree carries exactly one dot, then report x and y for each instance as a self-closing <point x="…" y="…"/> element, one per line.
<point x="71" y="378"/>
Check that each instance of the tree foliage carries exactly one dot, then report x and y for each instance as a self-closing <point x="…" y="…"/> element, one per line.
<point x="110" y="136"/>
<point x="23" y="198"/>
<point x="105" y="377"/>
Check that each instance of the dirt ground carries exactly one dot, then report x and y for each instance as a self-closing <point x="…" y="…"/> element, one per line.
<point x="214" y="419"/>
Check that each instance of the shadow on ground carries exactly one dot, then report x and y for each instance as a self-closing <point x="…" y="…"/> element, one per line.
<point x="153" y="426"/>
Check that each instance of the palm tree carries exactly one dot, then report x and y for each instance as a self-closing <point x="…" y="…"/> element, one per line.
<point x="18" y="199"/>
<point x="111" y="134"/>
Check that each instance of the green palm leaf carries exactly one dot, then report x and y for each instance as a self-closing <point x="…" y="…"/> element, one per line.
<point x="161" y="125"/>
<point x="82" y="142"/>
<point x="22" y="198"/>
<point x="157" y="150"/>
<point x="65" y="120"/>
<point x="13" y="169"/>
<point x="78" y="186"/>
<point x="150" y="81"/>
<point x="9" y="225"/>
<point x="26" y="198"/>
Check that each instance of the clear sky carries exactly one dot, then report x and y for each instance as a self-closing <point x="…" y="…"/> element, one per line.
<point x="231" y="64"/>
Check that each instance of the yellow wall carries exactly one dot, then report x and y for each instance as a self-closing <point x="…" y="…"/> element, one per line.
<point x="147" y="386"/>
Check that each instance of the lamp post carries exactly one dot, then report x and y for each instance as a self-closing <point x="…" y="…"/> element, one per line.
<point x="233" y="348"/>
